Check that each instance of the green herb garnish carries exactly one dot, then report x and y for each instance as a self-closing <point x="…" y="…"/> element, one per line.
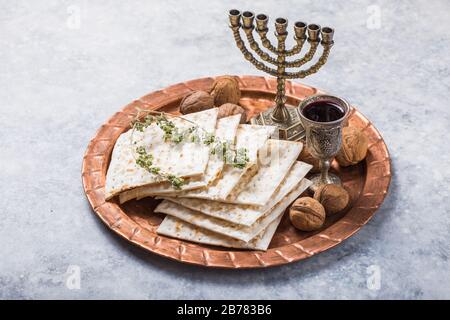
<point x="241" y="158"/>
<point x="145" y="161"/>
<point x="223" y="149"/>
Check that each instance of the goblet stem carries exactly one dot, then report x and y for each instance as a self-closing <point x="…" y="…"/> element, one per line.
<point x="324" y="168"/>
<point x="324" y="177"/>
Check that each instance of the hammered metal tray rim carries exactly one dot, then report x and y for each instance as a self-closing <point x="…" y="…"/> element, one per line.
<point x="96" y="159"/>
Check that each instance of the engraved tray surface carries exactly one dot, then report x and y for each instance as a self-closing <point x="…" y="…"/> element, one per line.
<point x="368" y="183"/>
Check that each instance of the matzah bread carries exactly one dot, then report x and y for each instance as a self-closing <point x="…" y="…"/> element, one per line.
<point x="226" y="228"/>
<point x="276" y="159"/>
<point x="251" y="137"/>
<point x="183" y="160"/>
<point x="179" y="229"/>
<point x="246" y="214"/>
<point x="226" y="132"/>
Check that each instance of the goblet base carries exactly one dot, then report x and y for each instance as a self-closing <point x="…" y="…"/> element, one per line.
<point x="317" y="181"/>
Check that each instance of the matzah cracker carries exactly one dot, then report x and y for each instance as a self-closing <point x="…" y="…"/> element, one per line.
<point x="251" y="137"/>
<point x="226" y="228"/>
<point x="245" y="214"/>
<point x="183" y="160"/>
<point x="179" y="229"/>
<point x="225" y="131"/>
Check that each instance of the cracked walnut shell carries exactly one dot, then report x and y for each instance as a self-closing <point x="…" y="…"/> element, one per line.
<point x="230" y="109"/>
<point x="196" y="101"/>
<point x="354" y="147"/>
<point x="334" y="198"/>
<point x="307" y="157"/>
<point x="225" y="90"/>
<point x="307" y="214"/>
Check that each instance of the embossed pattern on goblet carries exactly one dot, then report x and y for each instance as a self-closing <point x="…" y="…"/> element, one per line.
<point x="324" y="143"/>
<point x="324" y="139"/>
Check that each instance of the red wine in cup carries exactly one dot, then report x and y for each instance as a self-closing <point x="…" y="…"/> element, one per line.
<point x="323" y="111"/>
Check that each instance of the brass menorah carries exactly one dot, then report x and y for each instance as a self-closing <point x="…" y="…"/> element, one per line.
<point x="287" y="119"/>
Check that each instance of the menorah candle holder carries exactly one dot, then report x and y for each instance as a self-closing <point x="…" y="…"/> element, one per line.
<point x="286" y="118"/>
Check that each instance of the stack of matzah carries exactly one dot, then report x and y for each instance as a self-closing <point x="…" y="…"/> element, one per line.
<point x="220" y="204"/>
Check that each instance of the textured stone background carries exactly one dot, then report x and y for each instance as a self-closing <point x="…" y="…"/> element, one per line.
<point x="59" y="81"/>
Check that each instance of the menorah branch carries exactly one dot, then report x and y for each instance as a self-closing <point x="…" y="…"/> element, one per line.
<point x="296" y="49"/>
<point x="289" y="64"/>
<point x="312" y="69"/>
<point x="300" y="38"/>
<point x="266" y="42"/>
<point x="249" y="56"/>
<point x="255" y="46"/>
<point x="306" y="58"/>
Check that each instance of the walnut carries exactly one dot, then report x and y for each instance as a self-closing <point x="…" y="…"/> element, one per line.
<point x="225" y="90"/>
<point x="307" y="214"/>
<point x="196" y="101"/>
<point x="307" y="157"/>
<point x="334" y="198"/>
<point x="354" y="147"/>
<point x="230" y="109"/>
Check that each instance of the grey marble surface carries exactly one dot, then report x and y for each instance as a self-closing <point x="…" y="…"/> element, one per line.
<point x="66" y="66"/>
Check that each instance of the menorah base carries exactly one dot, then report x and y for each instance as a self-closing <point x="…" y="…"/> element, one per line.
<point x="290" y="130"/>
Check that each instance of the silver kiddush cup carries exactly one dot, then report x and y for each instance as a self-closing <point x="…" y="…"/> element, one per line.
<point x="324" y="139"/>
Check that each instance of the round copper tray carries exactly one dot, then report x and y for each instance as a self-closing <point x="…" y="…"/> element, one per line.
<point x="368" y="183"/>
